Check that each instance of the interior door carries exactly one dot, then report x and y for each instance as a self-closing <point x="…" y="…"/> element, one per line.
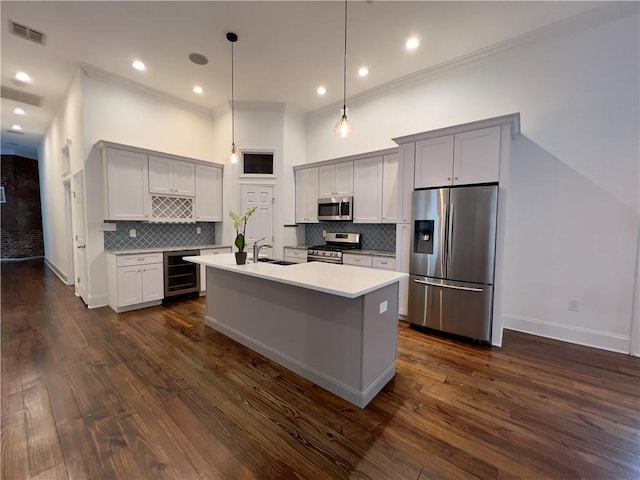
<point x="260" y="224"/>
<point x="79" y="236"/>
<point x="472" y="233"/>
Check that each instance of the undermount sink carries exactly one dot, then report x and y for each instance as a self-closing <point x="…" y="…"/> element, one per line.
<point x="275" y="262"/>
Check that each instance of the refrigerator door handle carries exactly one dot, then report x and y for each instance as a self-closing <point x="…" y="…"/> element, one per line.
<point x="454" y="287"/>
<point x="450" y="238"/>
<point x="445" y="260"/>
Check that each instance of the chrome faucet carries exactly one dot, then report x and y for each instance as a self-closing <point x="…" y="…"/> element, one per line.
<point x="256" y="248"/>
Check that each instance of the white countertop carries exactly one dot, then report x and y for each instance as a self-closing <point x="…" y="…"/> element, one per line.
<point x="343" y="280"/>
<point x="136" y="251"/>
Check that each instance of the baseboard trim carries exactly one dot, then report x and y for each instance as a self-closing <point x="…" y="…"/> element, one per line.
<point x="568" y="333"/>
<point x="61" y="275"/>
<point x="98" y="301"/>
<point x="359" y="398"/>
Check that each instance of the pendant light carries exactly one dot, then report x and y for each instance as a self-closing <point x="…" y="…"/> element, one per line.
<point x="233" y="156"/>
<point x="344" y="128"/>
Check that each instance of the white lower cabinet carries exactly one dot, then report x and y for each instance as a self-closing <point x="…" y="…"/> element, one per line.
<point x="135" y="281"/>
<point x="357" y="260"/>
<point x="295" y="255"/>
<point x="369" y="261"/>
<point x="203" y="269"/>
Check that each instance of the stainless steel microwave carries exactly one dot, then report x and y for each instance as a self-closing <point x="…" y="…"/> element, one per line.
<point x="335" y="208"/>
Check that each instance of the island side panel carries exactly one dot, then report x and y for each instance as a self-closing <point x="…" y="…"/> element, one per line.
<point x="315" y="334"/>
<point x="379" y="339"/>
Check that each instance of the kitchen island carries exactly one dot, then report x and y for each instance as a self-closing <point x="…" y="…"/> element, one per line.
<point x="335" y="325"/>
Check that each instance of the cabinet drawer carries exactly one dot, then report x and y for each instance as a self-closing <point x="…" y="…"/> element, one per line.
<point x="385" y="263"/>
<point x="358" y="260"/>
<point x="215" y="251"/>
<point x="295" y="253"/>
<point x="141" y="259"/>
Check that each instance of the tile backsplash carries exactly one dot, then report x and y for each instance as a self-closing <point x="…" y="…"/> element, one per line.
<point x="374" y="236"/>
<point x="154" y="235"/>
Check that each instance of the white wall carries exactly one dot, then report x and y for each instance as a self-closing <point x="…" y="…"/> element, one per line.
<point x="67" y="123"/>
<point x="126" y="114"/>
<point x="573" y="205"/>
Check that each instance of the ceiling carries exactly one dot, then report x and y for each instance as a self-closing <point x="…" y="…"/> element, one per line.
<point x="284" y="52"/>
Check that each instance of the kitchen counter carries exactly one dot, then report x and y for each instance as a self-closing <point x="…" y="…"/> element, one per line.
<point x="335" y="325"/>
<point x="134" y="251"/>
<point x="374" y="253"/>
<point x="342" y="280"/>
<point x="299" y="247"/>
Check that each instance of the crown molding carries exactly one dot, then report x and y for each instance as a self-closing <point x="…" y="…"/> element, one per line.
<point x="95" y="72"/>
<point x="582" y="21"/>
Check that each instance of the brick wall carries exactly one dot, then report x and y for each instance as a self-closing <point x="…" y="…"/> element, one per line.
<point x="20" y="216"/>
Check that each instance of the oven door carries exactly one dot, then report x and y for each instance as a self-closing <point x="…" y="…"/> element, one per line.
<point x="336" y="208"/>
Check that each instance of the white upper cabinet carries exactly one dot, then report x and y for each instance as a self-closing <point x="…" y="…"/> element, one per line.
<point x="127" y="185"/>
<point x="476" y="156"/>
<point x="406" y="166"/>
<point x="434" y="162"/>
<point x="307" y="195"/>
<point x="208" y="193"/>
<point x="460" y="159"/>
<point x="390" y="188"/>
<point x="335" y="180"/>
<point x="171" y="177"/>
<point x="367" y="190"/>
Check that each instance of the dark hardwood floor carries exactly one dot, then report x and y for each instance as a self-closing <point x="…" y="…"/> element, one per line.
<point x="156" y="394"/>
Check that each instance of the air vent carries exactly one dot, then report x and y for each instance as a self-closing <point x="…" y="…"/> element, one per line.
<point x="22" y="97"/>
<point x="15" y="132"/>
<point x="27" y="33"/>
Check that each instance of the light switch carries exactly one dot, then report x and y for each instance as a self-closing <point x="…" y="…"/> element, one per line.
<point x="132" y="233"/>
<point x="383" y="306"/>
<point x="198" y="230"/>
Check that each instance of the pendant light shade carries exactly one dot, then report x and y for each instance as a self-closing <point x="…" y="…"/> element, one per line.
<point x="344" y="128"/>
<point x="233" y="156"/>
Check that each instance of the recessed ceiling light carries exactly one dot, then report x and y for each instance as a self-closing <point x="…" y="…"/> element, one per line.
<point x="138" y="65"/>
<point x="321" y="90"/>
<point x="19" y="111"/>
<point x="363" y="71"/>
<point x="16" y="127"/>
<point x="22" y="77"/>
<point x="198" y="89"/>
<point x="412" y="43"/>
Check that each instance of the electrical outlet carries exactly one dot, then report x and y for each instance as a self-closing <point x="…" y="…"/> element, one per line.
<point x="383" y="306"/>
<point x="198" y="230"/>
<point x="324" y="234"/>
<point x="574" y="305"/>
<point x="132" y="233"/>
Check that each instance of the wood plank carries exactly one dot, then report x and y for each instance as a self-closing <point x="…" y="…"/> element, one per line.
<point x="59" y="472"/>
<point x="15" y="463"/>
<point x="43" y="446"/>
<point x="156" y="393"/>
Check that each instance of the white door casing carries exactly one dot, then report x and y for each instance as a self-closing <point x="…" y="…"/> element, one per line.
<point x="260" y="224"/>
<point x="79" y="236"/>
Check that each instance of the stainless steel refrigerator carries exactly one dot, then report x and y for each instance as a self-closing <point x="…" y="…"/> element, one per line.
<point x="452" y="259"/>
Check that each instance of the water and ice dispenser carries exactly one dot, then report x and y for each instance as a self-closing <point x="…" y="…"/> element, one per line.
<point x="423" y="236"/>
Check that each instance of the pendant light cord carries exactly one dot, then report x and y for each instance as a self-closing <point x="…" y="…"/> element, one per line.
<point x="233" y="109"/>
<point x="344" y="85"/>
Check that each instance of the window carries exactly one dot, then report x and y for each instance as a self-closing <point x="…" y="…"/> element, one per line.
<point x="258" y="163"/>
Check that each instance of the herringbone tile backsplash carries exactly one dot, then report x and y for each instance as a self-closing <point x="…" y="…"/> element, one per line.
<point x="155" y="235"/>
<point x="373" y="236"/>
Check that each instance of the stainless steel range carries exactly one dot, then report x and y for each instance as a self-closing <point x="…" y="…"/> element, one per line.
<point x="336" y="244"/>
